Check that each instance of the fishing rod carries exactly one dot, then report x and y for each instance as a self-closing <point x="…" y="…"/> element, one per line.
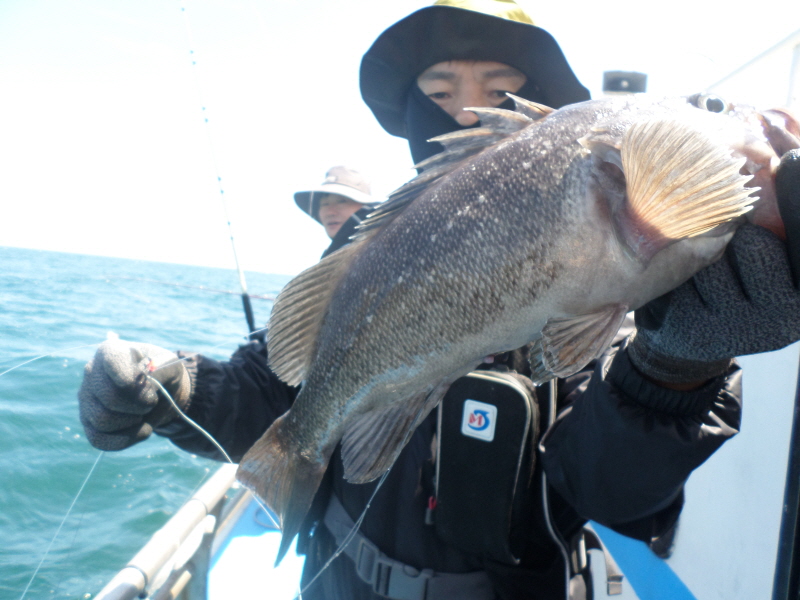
<point x="247" y="305"/>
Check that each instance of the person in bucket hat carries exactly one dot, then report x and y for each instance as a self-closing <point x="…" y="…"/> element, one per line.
<point x="339" y="203"/>
<point x="462" y="31"/>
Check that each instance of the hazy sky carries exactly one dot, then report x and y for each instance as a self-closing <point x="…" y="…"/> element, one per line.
<point x="104" y="149"/>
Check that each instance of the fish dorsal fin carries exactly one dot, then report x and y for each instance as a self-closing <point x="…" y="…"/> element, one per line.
<point x="500" y="120"/>
<point x="680" y="182"/>
<point x="530" y="109"/>
<point x="496" y="125"/>
<point x="463" y="143"/>
<point x="373" y="441"/>
<point x="568" y="345"/>
<point x="398" y="201"/>
<point x="298" y="313"/>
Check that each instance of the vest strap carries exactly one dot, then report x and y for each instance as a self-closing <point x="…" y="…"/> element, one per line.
<point x="393" y="579"/>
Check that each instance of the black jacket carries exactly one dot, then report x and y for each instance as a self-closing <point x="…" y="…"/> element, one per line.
<point x="619" y="453"/>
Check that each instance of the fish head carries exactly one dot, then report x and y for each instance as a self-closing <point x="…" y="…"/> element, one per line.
<point x="769" y="134"/>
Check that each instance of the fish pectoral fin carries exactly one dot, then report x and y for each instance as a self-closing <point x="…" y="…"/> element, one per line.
<point x="298" y="313"/>
<point x="568" y="345"/>
<point x="679" y="182"/>
<point x="283" y="478"/>
<point x="374" y="440"/>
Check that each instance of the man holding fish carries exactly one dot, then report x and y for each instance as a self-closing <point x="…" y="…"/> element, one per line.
<point x="630" y="422"/>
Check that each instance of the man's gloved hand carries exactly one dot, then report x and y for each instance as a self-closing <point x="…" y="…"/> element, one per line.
<point x="119" y="406"/>
<point x="745" y="303"/>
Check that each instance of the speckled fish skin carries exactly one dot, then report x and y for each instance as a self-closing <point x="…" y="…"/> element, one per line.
<point x="476" y="265"/>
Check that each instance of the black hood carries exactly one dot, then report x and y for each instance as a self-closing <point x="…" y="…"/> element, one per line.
<point x="425" y="119"/>
<point x="435" y="34"/>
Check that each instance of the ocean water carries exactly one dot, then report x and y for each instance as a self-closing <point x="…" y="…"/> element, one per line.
<point x="60" y="307"/>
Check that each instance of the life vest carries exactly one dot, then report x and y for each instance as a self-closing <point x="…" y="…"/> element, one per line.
<point x="488" y="428"/>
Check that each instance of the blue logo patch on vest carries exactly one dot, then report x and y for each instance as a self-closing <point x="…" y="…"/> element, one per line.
<point x="478" y="420"/>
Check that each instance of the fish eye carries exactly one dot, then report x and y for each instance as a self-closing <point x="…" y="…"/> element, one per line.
<point x="711" y="103"/>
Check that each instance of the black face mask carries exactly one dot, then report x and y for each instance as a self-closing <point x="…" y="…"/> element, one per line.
<point x="425" y="119"/>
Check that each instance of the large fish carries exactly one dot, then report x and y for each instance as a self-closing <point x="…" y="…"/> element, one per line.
<point x="541" y="226"/>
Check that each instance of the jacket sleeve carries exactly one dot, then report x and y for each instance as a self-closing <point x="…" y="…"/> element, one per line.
<point x="622" y="449"/>
<point x="235" y="401"/>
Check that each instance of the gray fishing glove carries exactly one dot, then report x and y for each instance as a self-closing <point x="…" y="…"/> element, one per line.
<point x="119" y="405"/>
<point x="745" y="303"/>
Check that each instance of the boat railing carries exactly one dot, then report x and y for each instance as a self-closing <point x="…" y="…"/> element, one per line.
<point x="174" y="563"/>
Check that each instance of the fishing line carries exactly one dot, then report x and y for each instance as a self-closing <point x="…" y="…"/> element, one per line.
<point x="46" y="355"/>
<point x="64" y="520"/>
<point x="186" y="418"/>
<point x="350" y="535"/>
<point x="205" y="433"/>
<point x="348" y="538"/>
<point x="100" y="455"/>
<point x="91" y="471"/>
<point x="58" y="352"/>
<point x="248" y="308"/>
<point x="219" y="447"/>
<point x="222" y="451"/>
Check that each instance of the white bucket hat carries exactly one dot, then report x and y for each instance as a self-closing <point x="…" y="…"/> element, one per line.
<point x="338" y="180"/>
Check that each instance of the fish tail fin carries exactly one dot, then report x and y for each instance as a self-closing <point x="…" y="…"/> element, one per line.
<point x="680" y="181"/>
<point x="283" y="478"/>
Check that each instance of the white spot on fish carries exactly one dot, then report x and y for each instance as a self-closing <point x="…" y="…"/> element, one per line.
<point x="400" y="279"/>
<point x="433" y="237"/>
<point x="526" y="165"/>
<point x="449" y="225"/>
<point x="369" y="319"/>
<point x="481" y="198"/>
